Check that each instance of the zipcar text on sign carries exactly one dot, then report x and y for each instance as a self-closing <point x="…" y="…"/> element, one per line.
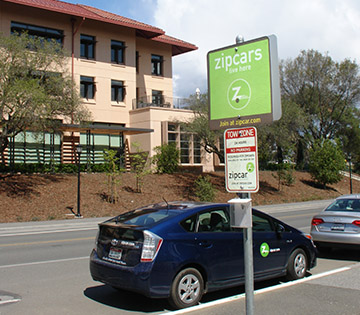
<point x="241" y="160"/>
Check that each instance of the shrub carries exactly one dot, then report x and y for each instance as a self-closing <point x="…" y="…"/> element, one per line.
<point x="167" y="158"/>
<point x="139" y="166"/>
<point x="113" y="173"/>
<point x="284" y="175"/>
<point x="326" y="162"/>
<point x="204" y="190"/>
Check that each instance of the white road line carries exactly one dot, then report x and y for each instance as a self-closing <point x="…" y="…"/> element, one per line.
<point x="48" y="231"/>
<point x="44" y="262"/>
<point x="269" y="289"/>
<point x="9" y="301"/>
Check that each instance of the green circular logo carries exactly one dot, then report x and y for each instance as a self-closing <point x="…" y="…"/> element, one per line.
<point x="264" y="249"/>
<point x="250" y="167"/>
<point x="239" y="94"/>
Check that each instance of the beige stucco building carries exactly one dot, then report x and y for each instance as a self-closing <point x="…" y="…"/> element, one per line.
<point x="123" y="69"/>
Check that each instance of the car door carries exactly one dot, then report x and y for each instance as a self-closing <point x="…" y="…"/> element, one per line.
<point x="220" y="246"/>
<point x="269" y="246"/>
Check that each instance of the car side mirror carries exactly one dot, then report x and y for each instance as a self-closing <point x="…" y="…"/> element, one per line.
<point x="280" y="229"/>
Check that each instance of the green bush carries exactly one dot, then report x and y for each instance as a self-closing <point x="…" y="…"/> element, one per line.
<point x="113" y="173"/>
<point x="139" y="165"/>
<point x="204" y="190"/>
<point x="284" y="174"/>
<point x="167" y="158"/>
<point x="326" y="162"/>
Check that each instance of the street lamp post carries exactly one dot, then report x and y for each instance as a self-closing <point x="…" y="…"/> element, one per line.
<point x="349" y="158"/>
<point x="78" y="151"/>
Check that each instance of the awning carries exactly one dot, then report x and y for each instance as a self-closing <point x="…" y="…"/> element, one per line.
<point x="103" y="129"/>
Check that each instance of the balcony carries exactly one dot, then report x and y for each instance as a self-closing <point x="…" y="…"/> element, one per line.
<point x="161" y="101"/>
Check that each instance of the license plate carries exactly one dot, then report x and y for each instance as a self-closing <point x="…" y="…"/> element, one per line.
<point x="338" y="227"/>
<point x="115" y="253"/>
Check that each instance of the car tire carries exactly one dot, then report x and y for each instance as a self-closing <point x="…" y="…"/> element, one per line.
<point x="186" y="289"/>
<point x="297" y="265"/>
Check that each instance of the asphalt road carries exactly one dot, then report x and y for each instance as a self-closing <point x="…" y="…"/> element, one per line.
<point x="44" y="269"/>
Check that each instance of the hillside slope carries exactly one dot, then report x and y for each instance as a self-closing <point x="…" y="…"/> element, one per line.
<point x="45" y="197"/>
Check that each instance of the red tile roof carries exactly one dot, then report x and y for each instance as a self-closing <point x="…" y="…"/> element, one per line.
<point x="88" y="12"/>
<point x="80" y="10"/>
<point x="178" y="46"/>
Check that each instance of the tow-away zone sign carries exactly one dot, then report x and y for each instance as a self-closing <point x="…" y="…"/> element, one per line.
<point x="241" y="160"/>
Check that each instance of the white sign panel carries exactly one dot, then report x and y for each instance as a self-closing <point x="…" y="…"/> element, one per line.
<point x="241" y="160"/>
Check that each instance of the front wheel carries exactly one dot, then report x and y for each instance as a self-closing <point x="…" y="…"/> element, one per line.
<point x="187" y="288"/>
<point x="297" y="265"/>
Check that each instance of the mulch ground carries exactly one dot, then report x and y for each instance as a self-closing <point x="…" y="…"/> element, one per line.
<point x="46" y="197"/>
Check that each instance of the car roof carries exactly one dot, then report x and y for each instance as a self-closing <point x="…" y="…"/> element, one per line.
<point x="350" y="196"/>
<point x="179" y="205"/>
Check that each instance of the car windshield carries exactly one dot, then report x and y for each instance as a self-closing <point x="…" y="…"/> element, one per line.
<point x="345" y="205"/>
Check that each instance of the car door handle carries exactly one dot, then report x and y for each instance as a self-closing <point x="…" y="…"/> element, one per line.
<point x="205" y="244"/>
<point x="289" y="241"/>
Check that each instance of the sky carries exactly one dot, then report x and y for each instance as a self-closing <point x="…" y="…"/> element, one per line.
<point x="328" y="26"/>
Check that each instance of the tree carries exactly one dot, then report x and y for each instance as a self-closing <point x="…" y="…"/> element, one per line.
<point x="279" y="140"/>
<point x="199" y="125"/>
<point x="113" y="173"/>
<point x="326" y="162"/>
<point x="326" y="91"/>
<point x="139" y="165"/>
<point x="35" y="88"/>
<point x="319" y="101"/>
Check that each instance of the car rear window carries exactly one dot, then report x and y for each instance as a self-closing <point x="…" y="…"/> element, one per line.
<point x="144" y="217"/>
<point x="345" y="205"/>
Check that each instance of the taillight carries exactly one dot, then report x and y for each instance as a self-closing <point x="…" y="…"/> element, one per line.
<point x="316" y="221"/>
<point x="151" y="246"/>
<point x="96" y="239"/>
<point x="356" y="222"/>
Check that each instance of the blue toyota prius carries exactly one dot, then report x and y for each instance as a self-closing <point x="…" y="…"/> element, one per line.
<point x="181" y="250"/>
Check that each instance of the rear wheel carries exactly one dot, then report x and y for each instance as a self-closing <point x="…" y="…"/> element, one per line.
<point x="297" y="265"/>
<point x="187" y="288"/>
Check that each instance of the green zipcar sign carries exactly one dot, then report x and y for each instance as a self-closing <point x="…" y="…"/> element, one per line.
<point x="243" y="84"/>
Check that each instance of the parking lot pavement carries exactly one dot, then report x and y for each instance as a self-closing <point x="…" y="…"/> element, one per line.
<point x="334" y="292"/>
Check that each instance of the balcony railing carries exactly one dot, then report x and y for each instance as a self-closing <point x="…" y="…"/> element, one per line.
<point x="161" y="101"/>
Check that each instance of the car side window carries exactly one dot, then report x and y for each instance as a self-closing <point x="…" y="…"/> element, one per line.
<point x="214" y="221"/>
<point x="261" y="224"/>
<point x="189" y="224"/>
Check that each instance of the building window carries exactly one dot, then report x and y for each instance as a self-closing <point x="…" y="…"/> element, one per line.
<point x="197" y="149"/>
<point x="137" y="56"/>
<point x="156" y="65"/>
<point x="184" y="148"/>
<point x="87" y="87"/>
<point x="188" y="143"/>
<point x="157" y="97"/>
<point x="87" y="46"/>
<point x="117" y="91"/>
<point x="38" y="31"/>
<point x="172" y="133"/>
<point x="117" y="52"/>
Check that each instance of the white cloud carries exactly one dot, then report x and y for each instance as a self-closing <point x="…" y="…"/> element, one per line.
<point x="325" y="25"/>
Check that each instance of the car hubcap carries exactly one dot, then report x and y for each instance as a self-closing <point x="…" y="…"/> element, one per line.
<point x="189" y="288"/>
<point x="300" y="264"/>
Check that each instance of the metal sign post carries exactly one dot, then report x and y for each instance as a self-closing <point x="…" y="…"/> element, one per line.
<point x="244" y="90"/>
<point x="241" y="176"/>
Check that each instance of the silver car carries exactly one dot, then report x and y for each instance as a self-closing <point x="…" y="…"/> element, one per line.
<point x="339" y="224"/>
